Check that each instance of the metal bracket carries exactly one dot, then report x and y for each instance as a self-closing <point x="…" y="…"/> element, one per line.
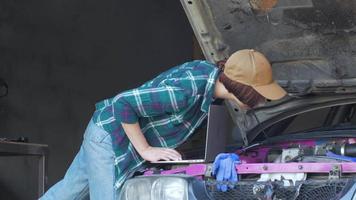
<point x="209" y="170"/>
<point x="335" y="172"/>
<point x="239" y="120"/>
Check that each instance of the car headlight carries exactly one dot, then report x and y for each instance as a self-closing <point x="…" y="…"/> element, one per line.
<point x="155" y="188"/>
<point x="136" y="189"/>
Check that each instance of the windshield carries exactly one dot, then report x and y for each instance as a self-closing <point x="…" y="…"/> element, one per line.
<point x="330" y="118"/>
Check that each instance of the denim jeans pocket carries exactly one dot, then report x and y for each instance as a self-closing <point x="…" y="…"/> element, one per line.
<point x="96" y="134"/>
<point x="106" y="139"/>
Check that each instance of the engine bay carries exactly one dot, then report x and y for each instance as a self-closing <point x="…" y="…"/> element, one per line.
<point x="306" y="169"/>
<point x="303" y="169"/>
<point x="300" y="154"/>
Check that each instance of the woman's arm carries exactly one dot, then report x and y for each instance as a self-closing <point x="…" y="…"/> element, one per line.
<point x="138" y="140"/>
<point x="129" y="106"/>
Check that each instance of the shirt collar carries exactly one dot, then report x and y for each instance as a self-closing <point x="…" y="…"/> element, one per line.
<point x="209" y="90"/>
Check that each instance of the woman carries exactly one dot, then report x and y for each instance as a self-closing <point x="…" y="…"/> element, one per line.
<point x="149" y="122"/>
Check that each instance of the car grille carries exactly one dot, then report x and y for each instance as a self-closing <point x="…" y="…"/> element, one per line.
<point x="310" y="189"/>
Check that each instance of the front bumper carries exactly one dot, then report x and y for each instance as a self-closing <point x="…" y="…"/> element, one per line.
<point x="195" y="189"/>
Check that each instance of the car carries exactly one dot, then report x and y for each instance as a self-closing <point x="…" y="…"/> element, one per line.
<point x="302" y="146"/>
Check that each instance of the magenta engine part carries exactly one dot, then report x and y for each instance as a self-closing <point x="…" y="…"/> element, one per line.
<point x="252" y="162"/>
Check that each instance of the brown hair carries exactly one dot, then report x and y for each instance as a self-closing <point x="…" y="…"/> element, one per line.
<point x="245" y="93"/>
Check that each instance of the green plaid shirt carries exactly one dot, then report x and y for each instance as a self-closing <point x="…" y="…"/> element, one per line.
<point x="168" y="108"/>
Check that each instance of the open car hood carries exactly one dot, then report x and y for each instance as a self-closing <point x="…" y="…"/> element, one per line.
<point x="311" y="45"/>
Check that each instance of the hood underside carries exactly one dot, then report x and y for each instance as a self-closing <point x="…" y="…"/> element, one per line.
<point x="311" y="44"/>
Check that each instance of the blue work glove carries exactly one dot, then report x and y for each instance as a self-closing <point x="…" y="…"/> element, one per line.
<point x="224" y="169"/>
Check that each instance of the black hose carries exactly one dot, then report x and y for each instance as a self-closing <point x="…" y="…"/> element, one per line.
<point x="345" y="150"/>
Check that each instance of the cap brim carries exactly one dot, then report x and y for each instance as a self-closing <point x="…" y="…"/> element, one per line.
<point x="272" y="91"/>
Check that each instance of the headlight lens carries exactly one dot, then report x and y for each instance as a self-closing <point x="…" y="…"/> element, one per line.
<point x="137" y="189"/>
<point x="155" y="188"/>
<point x="170" y="189"/>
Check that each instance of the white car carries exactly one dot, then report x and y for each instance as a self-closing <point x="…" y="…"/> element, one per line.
<point x="300" y="147"/>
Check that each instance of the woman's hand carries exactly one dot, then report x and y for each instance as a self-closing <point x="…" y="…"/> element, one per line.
<point x="154" y="154"/>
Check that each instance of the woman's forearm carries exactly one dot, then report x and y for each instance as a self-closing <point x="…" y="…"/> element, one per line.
<point x="136" y="137"/>
<point x="148" y="153"/>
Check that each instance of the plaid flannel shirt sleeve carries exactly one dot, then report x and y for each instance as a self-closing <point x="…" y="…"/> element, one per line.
<point x="147" y="102"/>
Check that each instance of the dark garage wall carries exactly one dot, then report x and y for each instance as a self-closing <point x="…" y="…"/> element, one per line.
<point x="59" y="57"/>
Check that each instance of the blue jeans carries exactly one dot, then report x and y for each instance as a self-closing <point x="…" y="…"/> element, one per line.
<point x="91" y="172"/>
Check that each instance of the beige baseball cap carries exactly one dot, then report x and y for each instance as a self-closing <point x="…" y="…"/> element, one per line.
<point x="252" y="68"/>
